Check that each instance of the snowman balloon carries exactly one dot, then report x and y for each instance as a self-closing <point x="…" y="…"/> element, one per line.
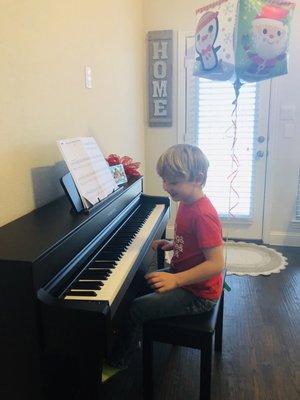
<point x="269" y="38"/>
<point x="206" y="35"/>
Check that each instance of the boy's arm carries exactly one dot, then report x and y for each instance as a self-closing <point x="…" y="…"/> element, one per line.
<point x="214" y="264"/>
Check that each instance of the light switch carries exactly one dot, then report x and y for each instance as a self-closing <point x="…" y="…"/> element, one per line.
<point x="287" y="112"/>
<point x="88" y="77"/>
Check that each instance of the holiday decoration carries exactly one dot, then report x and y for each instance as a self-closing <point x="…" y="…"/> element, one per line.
<point x="242" y="41"/>
<point x="130" y="167"/>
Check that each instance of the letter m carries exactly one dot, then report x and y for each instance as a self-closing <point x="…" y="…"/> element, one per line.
<point x="159" y="89"/>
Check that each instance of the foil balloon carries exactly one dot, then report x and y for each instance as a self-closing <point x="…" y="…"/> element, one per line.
<point x="214" y="40"/>
<point x="244" y="40"/>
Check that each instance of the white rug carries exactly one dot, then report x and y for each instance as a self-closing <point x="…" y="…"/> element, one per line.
<point x="252" y="259"/>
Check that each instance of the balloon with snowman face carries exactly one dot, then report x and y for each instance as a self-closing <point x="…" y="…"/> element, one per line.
<point x="206" y="35"/>
<point x="242" y="40"/>
<point x="269" y="40"/>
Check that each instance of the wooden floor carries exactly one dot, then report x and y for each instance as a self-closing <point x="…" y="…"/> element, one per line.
<point x="261" y="347"/>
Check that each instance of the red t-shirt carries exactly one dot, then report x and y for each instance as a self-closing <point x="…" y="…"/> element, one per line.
<point x="197" y="227"/>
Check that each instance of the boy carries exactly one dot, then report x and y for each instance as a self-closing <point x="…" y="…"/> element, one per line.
<point x="193" y="284"/>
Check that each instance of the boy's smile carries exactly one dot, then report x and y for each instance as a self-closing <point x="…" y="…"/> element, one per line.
<point x="187" y="192"/>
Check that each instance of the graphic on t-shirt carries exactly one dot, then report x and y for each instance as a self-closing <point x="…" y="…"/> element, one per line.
<point x="178" y="245"/>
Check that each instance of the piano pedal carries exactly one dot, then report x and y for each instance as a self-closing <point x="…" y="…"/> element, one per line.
<point x="108" y="372"/>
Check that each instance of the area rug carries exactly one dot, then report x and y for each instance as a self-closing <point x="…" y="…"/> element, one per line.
<point x="251" y="259"/>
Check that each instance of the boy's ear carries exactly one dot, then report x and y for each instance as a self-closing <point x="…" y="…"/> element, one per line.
<point x="199" y="179"/>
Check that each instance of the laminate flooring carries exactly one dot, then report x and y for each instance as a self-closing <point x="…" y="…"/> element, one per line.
<point x="261" y="346"/>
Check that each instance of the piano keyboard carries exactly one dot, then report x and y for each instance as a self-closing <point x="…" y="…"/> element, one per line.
<point x="106" y="275"/>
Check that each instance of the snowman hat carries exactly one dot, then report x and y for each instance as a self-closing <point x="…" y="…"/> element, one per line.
<point x="268" y="12"/>
<point x="205" y="19"/>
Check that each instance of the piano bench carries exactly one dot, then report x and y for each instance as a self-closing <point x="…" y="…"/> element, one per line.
<point x="195" y="331"/>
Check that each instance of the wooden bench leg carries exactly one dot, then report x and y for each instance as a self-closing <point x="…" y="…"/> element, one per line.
<point x="147" y="367"/>
<point x="219" y="326"/>
<point x="205" y="370"/>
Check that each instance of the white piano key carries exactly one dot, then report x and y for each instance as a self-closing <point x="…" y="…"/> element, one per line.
<point x="116" y="279"/>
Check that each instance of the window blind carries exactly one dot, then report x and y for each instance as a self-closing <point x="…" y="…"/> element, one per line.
<point x="209" y="125"/>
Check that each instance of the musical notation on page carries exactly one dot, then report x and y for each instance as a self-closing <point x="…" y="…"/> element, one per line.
<point x="89" y="169"/>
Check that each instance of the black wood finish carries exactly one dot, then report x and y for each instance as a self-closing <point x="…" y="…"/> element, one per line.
<point x="46" y="342"/>
<point x="260" y="355"/>
<point x="161" y="255"/>
<point x="195" y="331"/>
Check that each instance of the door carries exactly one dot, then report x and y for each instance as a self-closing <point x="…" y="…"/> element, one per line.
<point x="236" y="176"/>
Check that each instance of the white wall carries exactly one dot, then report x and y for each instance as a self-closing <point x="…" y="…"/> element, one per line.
<point x="284" y="152"/>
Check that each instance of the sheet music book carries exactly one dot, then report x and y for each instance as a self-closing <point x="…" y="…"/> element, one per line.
<point x="89" y="169"/>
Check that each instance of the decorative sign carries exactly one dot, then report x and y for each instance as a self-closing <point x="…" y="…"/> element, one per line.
<point x="160" y="78"/>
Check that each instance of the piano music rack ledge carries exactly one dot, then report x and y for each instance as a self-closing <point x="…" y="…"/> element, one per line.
<point x="73" y="196"/>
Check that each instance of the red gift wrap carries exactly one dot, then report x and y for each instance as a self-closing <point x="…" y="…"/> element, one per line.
<point x="130" y="167"/>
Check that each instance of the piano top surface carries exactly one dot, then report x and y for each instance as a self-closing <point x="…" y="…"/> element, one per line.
<point x="30" y="236"/>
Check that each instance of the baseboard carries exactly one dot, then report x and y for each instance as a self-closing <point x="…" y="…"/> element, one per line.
<point x="278" y="238"/>
<point x="275" y="238"/>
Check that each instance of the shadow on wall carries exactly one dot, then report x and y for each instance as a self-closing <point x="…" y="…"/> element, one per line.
<point x="46" y="183"/>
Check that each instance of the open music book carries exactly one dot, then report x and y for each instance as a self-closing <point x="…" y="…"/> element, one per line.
<point x="89" y="169"/>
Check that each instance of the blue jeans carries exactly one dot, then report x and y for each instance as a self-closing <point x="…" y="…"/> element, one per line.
<point x="169" y="304"/>
<point x="153" y="306"/>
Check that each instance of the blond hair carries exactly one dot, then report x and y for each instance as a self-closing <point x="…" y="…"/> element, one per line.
<point x="183" y="162"/>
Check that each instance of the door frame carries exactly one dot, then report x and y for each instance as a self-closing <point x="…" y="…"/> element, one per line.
<point x="270" y="139"/>
<point x="274" y="107"/>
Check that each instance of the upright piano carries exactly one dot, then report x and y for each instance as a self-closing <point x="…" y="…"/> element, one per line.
<point x="66" y="284"/>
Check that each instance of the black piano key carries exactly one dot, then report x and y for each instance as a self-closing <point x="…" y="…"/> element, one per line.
<point x="105" y="271"/>
<point x="88" y="285"/>
<point x="107" y="259"/>
<point x="118" y="243"/>
<point x="113" y="260"/>
<point x="132" y="235"/>
<point x="111" y="252"/>
<point x="104" y="264"/>
<point x="111" y="256"/>
<point x="85" y="293"/>
<point x="115" y="248"/>
<point x="110" y="262"/>
<point x="90" y="274"/>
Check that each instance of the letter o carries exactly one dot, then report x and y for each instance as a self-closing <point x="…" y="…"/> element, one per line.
<point x="160" y="69"/>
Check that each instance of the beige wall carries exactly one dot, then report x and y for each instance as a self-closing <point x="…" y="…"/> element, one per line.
<point x="44" y="46"/>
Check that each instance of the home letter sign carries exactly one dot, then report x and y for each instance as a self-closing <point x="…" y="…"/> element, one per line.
<point x="160" y="78"/>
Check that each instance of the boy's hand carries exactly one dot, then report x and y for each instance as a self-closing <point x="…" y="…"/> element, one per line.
<point x="162" y="281"/>
<point x="163" y="244"/>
